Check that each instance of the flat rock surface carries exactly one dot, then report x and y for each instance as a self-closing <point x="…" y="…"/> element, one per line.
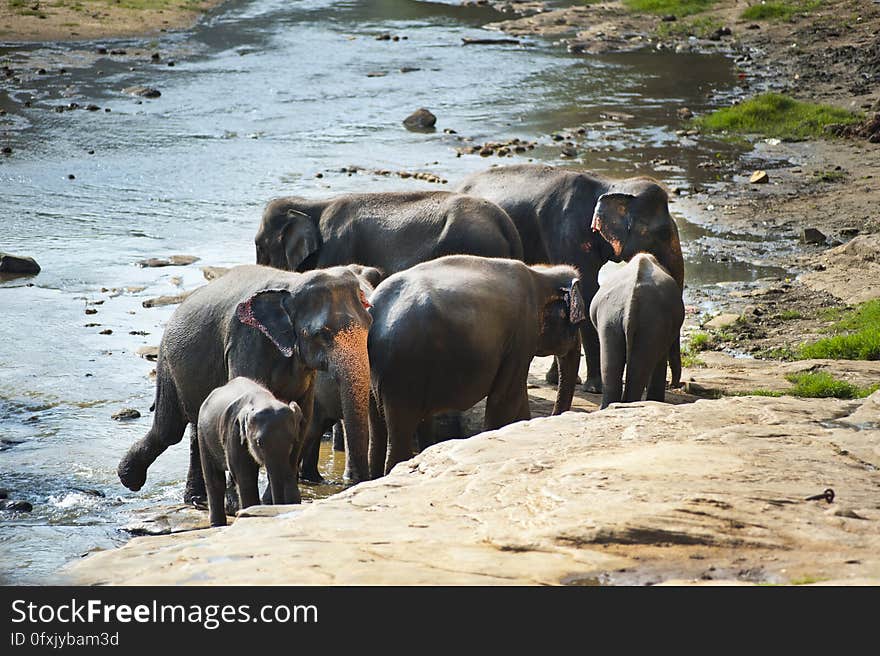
<point x="851" y="272"/>
<point x="639" y="493"/>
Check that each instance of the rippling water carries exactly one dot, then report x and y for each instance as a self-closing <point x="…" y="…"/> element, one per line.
<point x="263" y="96"/>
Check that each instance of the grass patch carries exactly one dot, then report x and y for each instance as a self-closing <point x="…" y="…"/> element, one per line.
<point x="780" y="10"/>
<point x="789" y="315"/>
<point x="699" y="342"/>
<point x="775" y="115"/>
<point x="664" y="7"/>
<point x="759" y="392"/>
<point x="858" y="338"/>
<point x="701" y="27"/>
<point x="822" y="385"/>
<point x="829" y="176"/>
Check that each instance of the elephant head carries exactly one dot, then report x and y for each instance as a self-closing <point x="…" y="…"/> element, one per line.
<point x="287" y="237"/>
<point x="562" y="315"/>
<point x="271" y="434"/>
<point x="633" y="217"/>
<point x="324" y="324"/>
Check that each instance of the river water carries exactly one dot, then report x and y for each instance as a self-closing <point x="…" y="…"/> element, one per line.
<point x="263" y="96"/>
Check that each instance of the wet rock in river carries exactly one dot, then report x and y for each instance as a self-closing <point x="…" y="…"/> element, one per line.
<point x="813" y="236"/>
<point x="150" y="353"/>
<point x="16" y="506"/>
<point x="420" y="120"/>
<point x="214" y="272"/>
<point x="4" y="493"/>
<point x="18" y="264"/>
<point x="159" y="301"/>
<point x="125" y="414"/>
<point x="759" y="177"/>
<point x="143" y="92"/>
<point x="173" y="260"/>
<point x="685" y="113"/>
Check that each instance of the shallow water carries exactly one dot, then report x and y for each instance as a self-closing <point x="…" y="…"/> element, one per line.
<point x="263" y="96"/>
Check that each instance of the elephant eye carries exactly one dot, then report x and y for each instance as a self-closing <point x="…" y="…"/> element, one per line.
<point x="260" y="441"/>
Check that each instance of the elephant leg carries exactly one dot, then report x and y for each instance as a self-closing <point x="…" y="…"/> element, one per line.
<point x="657" y="386"/>
<point x="401" y="423"/>
<point x="215" y="484"/>
<point x="640" y="368"/>
<point x="247" y="476"/>
<point x="169" y="425"/>
<point x="232" y="505"/>
<point x="590" y="340"/>
<point x="552" y="375"/>
<point x="378" y="440"/>
<point x="675" y="363"/>
<point x="508" y="401"/>
<point x="311" y="451"/>
<point x="426" y="434"/>
<point x="195" y="480"/>
<point x="612" y="361"/>
<point x="338" y="437"/>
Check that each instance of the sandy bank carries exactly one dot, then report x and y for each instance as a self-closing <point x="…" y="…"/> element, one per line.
<point x="69" y="20"/>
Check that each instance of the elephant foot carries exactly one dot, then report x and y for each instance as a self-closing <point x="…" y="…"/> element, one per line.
<point x="194" y="494"/>
<point x="311" y="477"/>
<point x="593" y="385"/>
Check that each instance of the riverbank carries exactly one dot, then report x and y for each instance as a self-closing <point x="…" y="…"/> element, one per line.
<point x="646" y="493"/>
<point x="78" y="20"/>
<point x="815" y="213"/>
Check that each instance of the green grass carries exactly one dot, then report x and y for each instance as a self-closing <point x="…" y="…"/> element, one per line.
<point x="700" y="27"/>
<point x="699" y="342"/>
<point x="858" y="336"/>
<point x="830" y="176"/>
<point x="775" y="115"/>
<point x="779" y="9"/>
<point x="816" y="385"/>
<point x="664" y="7"/>
<point x="788" y="315"/>
<point x="822" y="385"/>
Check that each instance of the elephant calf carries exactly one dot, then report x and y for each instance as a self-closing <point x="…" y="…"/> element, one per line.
<point x="452" y="331"/>
<point x="242" y="427"/>
<point x="638" y="314"/>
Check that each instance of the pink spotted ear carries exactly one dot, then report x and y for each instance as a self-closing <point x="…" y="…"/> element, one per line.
<point x="266" y="312"/>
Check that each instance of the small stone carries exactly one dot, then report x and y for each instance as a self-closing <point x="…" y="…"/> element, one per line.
<point x="91" y="311"/>
<point x="150" y="353"/>
<point x="569" y="152"/>
<point x="722" y="320"/>
<point x="759" y="177"/>
<point x="813" y="236"/>
<point x="142" y="91"/>
<point x="319" y="175"/>
<point x="214" y="272"/>
<point x="420" y="120"/>
<point x="92" y="108"/>
<point x="106" y="331"/>
<point x="409" y="69"/>
<point x="101" y="51"/>
<point x="174" y="260"/>
<point x="4" y="493"/>
<point x="125" y="414"/>
<point x="71" y="176"/>
<point x="155" y="56"/>
<point x="669" y="18"/>
<point x="16" y="506"/>
<point x="684" y="113"/>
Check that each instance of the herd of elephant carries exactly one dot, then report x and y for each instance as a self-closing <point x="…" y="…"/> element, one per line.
<point x="384" y="309"/>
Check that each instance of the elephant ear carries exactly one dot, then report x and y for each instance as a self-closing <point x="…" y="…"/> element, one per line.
<point x="266" y="312"/>
<point x="612" y="219"/>
<point x="574" y="301"/>
<point x="300" y="239"/>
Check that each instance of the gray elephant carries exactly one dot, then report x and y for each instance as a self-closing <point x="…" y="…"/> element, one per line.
<point x="638" y="314"/>
<point x="585" y="220"/>
<point x="275" y="327"/>
<point x="328" y="402"/>
<point x="452" y="331"/>
<point x="242" y="427"/>
<point x="391" y="231"/>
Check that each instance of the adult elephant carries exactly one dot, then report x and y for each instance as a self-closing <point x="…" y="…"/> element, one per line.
<point x="452" y="331"/>
<point x="585" y="220"/>
<point x="275" y="327"/>
<point x="392" y="231"/>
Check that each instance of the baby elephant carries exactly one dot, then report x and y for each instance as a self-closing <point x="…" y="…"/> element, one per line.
<point x="242" y="427"/>
<point x="638" y="314"/>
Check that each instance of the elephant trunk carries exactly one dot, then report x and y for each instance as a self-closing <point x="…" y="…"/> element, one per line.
<point x="568" y="370"/>
<point x="282" y="483"/>
<point x="350" y="367"/>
